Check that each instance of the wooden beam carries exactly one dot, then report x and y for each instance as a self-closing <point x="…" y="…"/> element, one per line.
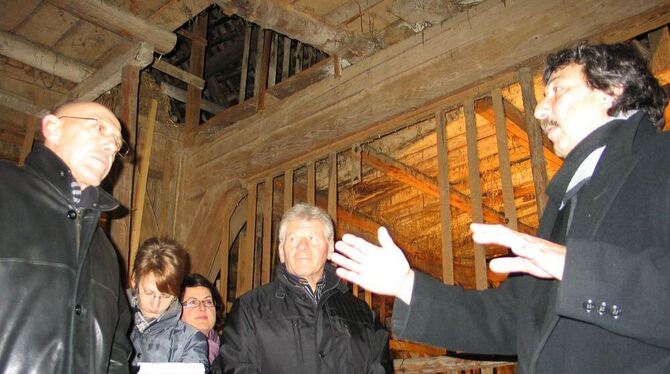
<point x="286" y="60"/>
<point x="504" y="160"/>
<point x="659" y="45"/>
<point x="445" y="199"/>
<point x="267" y="232"/>
<point x="141" y="182"/>
<point x="120" y="22"/>
<point x="307" y="77"/>
<point x="42" y="58"/>
<point x="180" y="95"/>
<point x="349" y="11"/>
<point x="174" y="13"/>
<point x="196" y="66"/>
<point x="288" y="189"/>
<point x="230" y="116"/>
<point x="21" y="104"/>
<point x="332" y="187"/>
<point x="245" y="259"/>
<point x="182" y="75"/>
<point x="123" y="187"/>
<point x="272" y="72"/>
<point x="414" y="347"/>
<point x="475" y="190"/>
<point x="245" y="64"/>
<point x="537" y="162"/>
<point x="298" y="25"/>
<point x="165" y="190"/>
<point x="264" y="68"/>
<point x="444" y="364"/>
<point x="258" y="61"/>
<point x="311" y="182"/>
<point x="108" y="76"/>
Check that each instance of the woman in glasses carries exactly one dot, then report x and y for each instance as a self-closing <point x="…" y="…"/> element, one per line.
<point x="159" y="335"/>
<point x="203" y="309"/>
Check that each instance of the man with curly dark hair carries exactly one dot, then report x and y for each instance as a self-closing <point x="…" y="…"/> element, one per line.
<point x="590" y="294"/>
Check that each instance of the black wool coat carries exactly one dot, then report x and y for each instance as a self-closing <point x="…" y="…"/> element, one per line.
<point x="611" y="311"/>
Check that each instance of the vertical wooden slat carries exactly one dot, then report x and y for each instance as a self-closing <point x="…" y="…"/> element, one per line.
<point x="311" y="182"/>
<point x="298" y="57"/>
<point x="141" y="182"/>
<point x="286" y="60"/>
<point x="265" y="62"/>
<point x="288" y="189"/>
<point x="245" y="263"/>
<point x="475" y="190"/>
<point x="337" y="62"/>
<point x="503" y="159"/>
<point x="354" y="289"/>
<point x="29" y="137"/>
<point x="272" y="72"/>
<point x="368" y="298"/>
<point x="165" y="190"/>
<point x="332" y="187"/>
<point x="224" y="254"/>
<point x="245" y="64"/>
<point x="196" y="66"/>
<point x="267" y="232"/>
<point x="258" y="62"/>
<point x="537" y="163"/>
<point x="445" y="206"/>
<point x="123" y="189"/>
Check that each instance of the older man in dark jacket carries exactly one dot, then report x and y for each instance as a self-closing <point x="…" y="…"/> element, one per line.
<point x="305" y="321"/>
<point x="593" y="294"/>
<point x="61" y="301"/>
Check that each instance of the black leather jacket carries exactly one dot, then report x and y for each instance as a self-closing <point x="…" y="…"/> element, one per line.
<point x="62" y="306"/>
<point x="276" y="328"/>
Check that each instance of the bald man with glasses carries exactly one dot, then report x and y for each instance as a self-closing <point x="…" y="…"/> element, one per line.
<point x="62" y="303"/>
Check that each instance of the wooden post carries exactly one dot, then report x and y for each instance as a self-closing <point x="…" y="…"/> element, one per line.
<point x="337" y="64"/>
<point x="123" y="188"/>
<point x="288" y="189"/>
<point x="29" y="137"/>
<point x="266" y="261"/>
<point x="245" y="64"/>
<point x="165" y="190"/>
<point x="224" y="253"/>
<point x="475" y="190"/>
<point x="537" y="162"/>
<point x="298" y="57"/>
<point x="272" y="72"/>
<point x="245" y="262"/>
<point x="265" y="62"/>
<point x="311" y="182"/>
<point x="504" y="160"/>
<point x="445" y="199"/>
<point x="141" y="182"/>
<point x="286" y="61"/>
<point x="332" y="187"/>
<point x="195" y="67"/>
<point x="258" y="61"/>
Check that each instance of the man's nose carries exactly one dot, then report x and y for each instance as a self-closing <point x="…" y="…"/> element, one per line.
<point x="302" y="244"/>
<point x="542" y="109"/>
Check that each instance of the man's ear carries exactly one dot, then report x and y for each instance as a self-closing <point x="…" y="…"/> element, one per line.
<point x="51" y="128"/>
<point x="331" y="249"/>
<point x="280" y="250"/>
<point x="610" y="98"/>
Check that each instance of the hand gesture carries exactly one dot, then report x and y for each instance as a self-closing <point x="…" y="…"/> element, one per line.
<point x="534" y="256"/>
<point x="383" y="270"/>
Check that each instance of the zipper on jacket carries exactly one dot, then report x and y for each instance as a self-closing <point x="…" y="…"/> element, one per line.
<point x="298" y="337"/>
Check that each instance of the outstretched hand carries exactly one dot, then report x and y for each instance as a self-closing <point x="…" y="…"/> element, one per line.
<point x="534" y="256"/>
<point x="382" y="270"/>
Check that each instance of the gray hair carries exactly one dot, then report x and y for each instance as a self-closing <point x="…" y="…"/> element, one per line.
<point x="307" y="212"/>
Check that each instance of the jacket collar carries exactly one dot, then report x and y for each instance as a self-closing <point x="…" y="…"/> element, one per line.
<point x="283" y="284"/>
<point x="49" y="166"/>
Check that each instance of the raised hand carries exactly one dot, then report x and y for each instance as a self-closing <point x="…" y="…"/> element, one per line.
<point x="534" y="256"/>
<point x="380" y="269"/>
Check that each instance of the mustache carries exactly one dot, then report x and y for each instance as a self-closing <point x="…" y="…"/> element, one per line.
<point x="547" y="123"/>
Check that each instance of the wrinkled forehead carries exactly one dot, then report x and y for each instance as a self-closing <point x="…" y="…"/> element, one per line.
<point x="90" y="110"/>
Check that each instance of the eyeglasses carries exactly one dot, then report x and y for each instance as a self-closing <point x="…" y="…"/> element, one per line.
<point x="195" y="303"/>
<point x="105" y="128"/>
<point x="159" y="296"/>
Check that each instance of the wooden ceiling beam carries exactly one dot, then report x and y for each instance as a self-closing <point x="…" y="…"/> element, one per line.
<point x="120" y="22"/>
<point x="349" y="11"/>
<point x="108" y="76"/>
<point x="180" y="95"/>
<point x="297" y="25"/>
<point x="178" y="73"/>
<point x="21" y="104"/>
<point x="42" y="58"/>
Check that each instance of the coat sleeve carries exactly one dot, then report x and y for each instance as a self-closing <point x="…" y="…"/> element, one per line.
<point x="121" y="346"/>
<point x="238" y="345"/>
<point x="440" y="314"/>
<point x="623" y="291"/>
<point x="196" y="350"/>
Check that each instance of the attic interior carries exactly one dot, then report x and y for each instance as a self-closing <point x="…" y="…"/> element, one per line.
<point x="415" y="115"/>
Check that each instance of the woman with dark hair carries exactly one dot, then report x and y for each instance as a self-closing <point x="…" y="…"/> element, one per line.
<point x="204" y="310"/>
<point x="159" y="335"/>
